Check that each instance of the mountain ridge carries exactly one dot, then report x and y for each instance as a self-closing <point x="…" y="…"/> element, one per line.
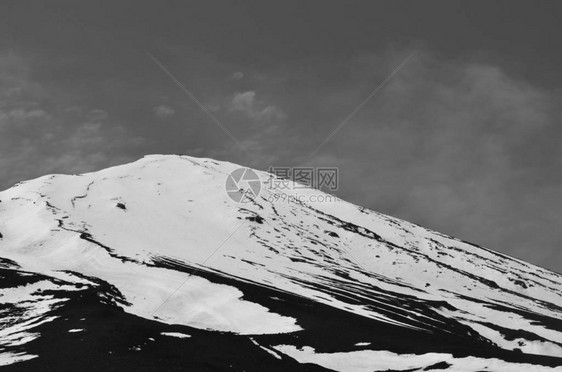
<point x="179" y="251"/>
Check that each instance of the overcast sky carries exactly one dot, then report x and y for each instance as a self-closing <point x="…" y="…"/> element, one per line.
<point x="464" y="139"/>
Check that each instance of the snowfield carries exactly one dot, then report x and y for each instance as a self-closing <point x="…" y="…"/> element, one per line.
<point x="364" y="361"/>
<point x="176" y="249"/>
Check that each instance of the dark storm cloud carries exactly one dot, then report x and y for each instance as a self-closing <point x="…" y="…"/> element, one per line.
<point x="462" y="148"/>
<point x="464" y="139"/>
<point x="40" y="134"/>
<point x="163" y="111"/>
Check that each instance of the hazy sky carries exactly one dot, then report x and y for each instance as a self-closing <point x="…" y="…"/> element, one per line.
<point x="464" y="139"/>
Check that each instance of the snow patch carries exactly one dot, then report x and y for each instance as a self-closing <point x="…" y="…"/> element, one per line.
<point x="7" y="358"/>
<point x="269" y="351"/>
<point x="369" y="360"/>
<point x="175" y="334"/>
<point x="363" y="344"/>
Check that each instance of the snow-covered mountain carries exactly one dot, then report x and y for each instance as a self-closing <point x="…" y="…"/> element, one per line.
<point x="153" y="266"/>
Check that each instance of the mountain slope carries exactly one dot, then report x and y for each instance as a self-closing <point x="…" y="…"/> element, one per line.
<point x="298" y="278"/>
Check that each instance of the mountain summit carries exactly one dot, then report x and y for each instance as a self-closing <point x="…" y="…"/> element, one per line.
<point x="154" y="265"/>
